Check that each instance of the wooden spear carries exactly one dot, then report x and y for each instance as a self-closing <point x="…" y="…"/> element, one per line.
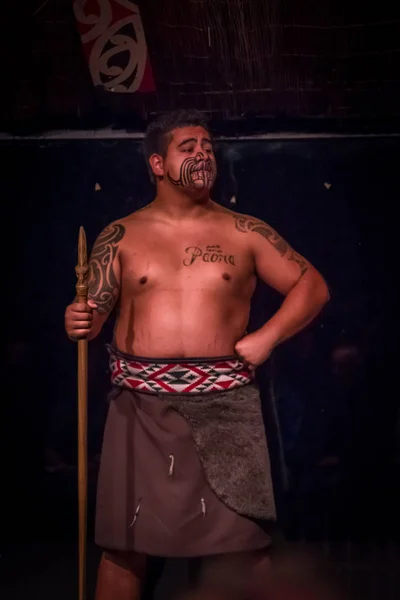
<point x="81" y="296"/>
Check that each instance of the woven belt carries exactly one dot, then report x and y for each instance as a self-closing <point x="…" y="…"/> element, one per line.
<point x="177" y="376"/>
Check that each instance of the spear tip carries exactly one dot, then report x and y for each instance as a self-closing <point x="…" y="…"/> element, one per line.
<point x="82" y="248"/>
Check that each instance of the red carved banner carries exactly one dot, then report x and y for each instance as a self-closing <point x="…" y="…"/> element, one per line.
<point x="115" y="45"/>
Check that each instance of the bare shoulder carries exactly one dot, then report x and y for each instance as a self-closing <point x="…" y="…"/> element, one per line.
<point x="138" y="216"/>
<point x="225" y="215"/>
<point x="133" y="219"/>
<point x="246" y="224"/>
<point x="116" y="232"/>
<point x="232" y="214"/>
<point x="238" y="220"/>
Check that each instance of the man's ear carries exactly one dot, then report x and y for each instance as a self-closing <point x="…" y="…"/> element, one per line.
<point x="157" y="165"/>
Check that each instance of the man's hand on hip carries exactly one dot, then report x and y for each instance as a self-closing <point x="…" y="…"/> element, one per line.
<point x="253" y="350"/>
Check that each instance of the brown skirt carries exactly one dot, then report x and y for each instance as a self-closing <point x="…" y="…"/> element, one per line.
<point x="153" y="496"/>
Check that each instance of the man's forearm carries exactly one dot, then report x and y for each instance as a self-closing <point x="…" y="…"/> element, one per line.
<point x="299" y="308"/>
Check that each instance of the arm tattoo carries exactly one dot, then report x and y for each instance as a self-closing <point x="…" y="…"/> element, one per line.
<point x="244" y="224"/>
<point x="103" y="284"/>
<point x="297" y="258"/>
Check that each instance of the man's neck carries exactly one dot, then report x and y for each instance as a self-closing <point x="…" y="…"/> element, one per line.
<point x="177" y="205"/>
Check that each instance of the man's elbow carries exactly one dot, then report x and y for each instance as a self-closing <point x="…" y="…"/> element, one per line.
<point x="323" y="292"/>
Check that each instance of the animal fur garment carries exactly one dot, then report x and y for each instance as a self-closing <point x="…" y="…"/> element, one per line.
<point x="228" y="431"/>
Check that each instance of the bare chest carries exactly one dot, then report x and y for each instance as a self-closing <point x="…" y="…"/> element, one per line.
<point x="186" y="263"/>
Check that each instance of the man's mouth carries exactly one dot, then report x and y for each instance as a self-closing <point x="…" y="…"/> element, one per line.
<point x="202" y="171"/>
<point x="200" y="175"/>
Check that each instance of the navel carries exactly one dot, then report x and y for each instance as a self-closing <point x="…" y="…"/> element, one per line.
<point x="226" y="276"/>
<point x="143" y="280"/>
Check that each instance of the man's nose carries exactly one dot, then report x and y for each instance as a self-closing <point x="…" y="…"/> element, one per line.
<point x="199" y="155"/>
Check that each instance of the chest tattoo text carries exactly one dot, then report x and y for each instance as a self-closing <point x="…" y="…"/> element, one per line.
<point x="207" y="254"/>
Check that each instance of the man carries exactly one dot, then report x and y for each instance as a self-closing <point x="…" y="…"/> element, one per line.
<point x="185" y="467"/>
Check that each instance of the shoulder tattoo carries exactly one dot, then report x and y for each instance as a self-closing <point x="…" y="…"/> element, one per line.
<point x="103" y="284"/>
<point x="246" y="224"/>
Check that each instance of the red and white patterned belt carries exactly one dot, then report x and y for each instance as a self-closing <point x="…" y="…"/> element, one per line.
<point x="178" y="376"/>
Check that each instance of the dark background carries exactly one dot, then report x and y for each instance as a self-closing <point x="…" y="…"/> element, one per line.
<point x="282" y="70"/>
<point x="252" y="65"/>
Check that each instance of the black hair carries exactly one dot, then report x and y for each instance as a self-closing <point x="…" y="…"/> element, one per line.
<point x="158" y="134"/>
